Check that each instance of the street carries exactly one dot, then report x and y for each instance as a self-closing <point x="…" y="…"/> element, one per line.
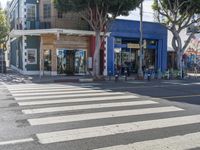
<point x="107" y="115"/>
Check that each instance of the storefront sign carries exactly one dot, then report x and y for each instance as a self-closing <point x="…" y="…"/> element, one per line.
<point x="131" y="45"/>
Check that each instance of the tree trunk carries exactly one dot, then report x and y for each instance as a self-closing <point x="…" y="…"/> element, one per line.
<point x="96" y="58"/>
<point x="177" y="45"/>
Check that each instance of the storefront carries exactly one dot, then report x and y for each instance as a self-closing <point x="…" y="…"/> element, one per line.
<point x="65" y="54"/>
<point x="71" y="61"/>
<point x="123" y="47"/>
<point x="52" y="51"/>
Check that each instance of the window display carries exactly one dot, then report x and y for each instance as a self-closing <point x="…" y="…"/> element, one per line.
<point x="32" y="56"/>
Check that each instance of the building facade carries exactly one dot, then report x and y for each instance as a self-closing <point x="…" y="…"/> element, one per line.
<point x="47" y="42"/>
<point x="123" y="46"/>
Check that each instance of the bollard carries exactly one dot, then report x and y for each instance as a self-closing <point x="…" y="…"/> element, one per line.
<point x="149" y="75"/>
<point x="116" y="77"/>
<point x="110" y="75"/>
<point x="126" y="75"/>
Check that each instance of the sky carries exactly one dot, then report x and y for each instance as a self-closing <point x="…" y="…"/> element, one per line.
<point x="134" y="15"/>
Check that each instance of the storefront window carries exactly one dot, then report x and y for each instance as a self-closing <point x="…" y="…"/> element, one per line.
<point x="71" y="61"/>
<point x="149" y="58"/>
<point x="126" y="59"/>
<point x="32" y="56"/>
<point x="80" y="61"/>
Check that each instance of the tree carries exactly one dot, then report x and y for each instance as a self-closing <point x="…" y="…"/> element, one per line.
<point x="4" y="28"/>
<point x="98" y="14"/>
<point x="178" y="15"/>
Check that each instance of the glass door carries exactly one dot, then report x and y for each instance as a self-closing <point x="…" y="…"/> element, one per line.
<point x="61" y="61"/>
<point x="65" y="61"/>
<point x="80" y="62"/>
<point x="70" y="62"/>
<point x="47" y="60"/>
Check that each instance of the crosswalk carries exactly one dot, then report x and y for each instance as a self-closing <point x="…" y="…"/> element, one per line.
<point x="50" y="104"/>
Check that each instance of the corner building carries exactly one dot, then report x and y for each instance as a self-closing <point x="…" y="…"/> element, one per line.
<point x="48" y="42"/>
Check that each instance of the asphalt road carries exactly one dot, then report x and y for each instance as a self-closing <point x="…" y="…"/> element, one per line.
<point x="131" y="115"/>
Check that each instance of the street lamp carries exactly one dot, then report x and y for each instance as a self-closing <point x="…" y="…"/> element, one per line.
<point x="140" y="71"/>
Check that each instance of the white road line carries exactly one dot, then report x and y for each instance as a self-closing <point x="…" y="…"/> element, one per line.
<point x="53" y="90"/>
<point x="82" y="107"/>
<point x="77" y="134"/>
<point x="58" y="92"/>
<point x="101" y="115"/>
<point x="71" y="100"/>
<point x="16" y="141"/>
<point x="67" y="96"/>
<point x="45" y="87"/>
<point x="181" y="142"/>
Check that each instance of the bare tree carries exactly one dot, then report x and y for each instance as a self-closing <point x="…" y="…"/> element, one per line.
<point x="176" y="16"/>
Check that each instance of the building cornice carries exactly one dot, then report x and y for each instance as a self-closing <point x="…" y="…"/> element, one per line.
<point x="38" y="32"/>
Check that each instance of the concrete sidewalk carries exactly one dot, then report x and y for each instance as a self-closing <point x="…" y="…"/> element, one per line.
<point x="13" y="77"/>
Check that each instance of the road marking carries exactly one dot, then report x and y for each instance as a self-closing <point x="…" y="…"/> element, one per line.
<point x="44" y="87"/>
<point x="53" y="90"/>
<point x="72" y="100"/>
<point x="77" y="134"/>
<point x="101" y="115"/>
<point x="82" y="107"/>
<point x="67" y="96"/>
<point x="182" y="142"/>
<point x="16" y="141"/>
<point x="60" y="92"/>
<point x="180" y="96"/>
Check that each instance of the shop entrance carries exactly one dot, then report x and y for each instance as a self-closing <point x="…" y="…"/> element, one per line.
<point x="71" y="62"/>
<point x="126" y="59"/>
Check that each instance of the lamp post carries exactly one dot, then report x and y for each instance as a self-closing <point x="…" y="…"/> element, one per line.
<point x="140" y="71"/>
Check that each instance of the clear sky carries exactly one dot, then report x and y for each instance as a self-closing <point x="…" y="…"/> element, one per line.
<point x="3" y="3"/>
<point x="134" y="15"/>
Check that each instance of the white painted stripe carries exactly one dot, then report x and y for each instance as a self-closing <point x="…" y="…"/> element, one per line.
<point x="100" y="115"/>
<point x="90" y="106"/>
<point x="45" y="87"/>
<point x="67" y="96"/>
<point x="181" y="142"/>
<point x="76" y="134"/>
<point x="53" y="90"/>
<point x="71" y="100"/>
<point x="60" y="92"/>
<point x="16" y="141"/>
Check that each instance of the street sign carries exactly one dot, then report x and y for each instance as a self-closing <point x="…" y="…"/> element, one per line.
<point x="132" y="45"/>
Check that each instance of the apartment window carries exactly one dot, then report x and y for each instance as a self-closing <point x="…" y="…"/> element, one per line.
<point x="31" y="12"/>
<point x="47" y="10"/>
<point x="60" y="14"/>
<point x="32" y="56"/>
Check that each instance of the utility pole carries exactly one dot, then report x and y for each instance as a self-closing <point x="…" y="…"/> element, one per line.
<point x="140" y="71"/>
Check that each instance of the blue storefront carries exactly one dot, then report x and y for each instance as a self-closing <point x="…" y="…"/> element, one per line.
<point x="123" y="46"/>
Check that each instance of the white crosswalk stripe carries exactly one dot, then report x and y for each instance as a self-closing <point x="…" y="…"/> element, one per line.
<point x="112" y="114"/>
<point x="77" y="134"/>
<point x="184" y="142"/>
<point x="88" y="99"/>
<point x="90" y="106"/>
<point x="41" y="102"/>
<point x="58" y="93"/>
<point x="68" y="95"/>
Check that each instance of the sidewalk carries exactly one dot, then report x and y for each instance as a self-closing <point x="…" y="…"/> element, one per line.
<point x="13" y="77"/>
